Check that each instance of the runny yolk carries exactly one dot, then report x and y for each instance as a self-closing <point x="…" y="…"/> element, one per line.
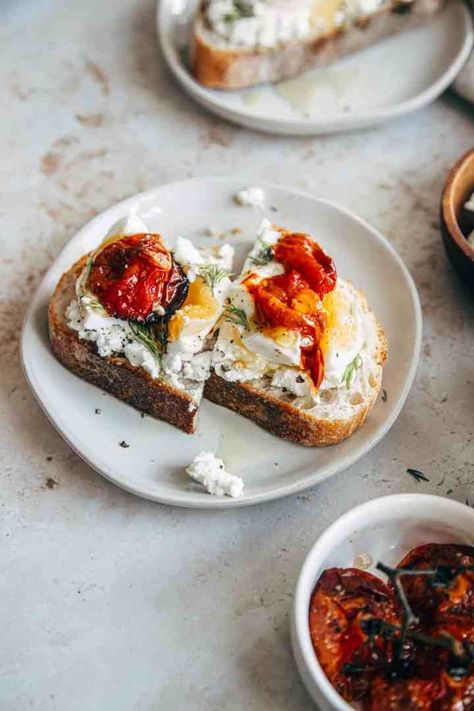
<point x="199" y="305"/>
<point x="293" y="300"/>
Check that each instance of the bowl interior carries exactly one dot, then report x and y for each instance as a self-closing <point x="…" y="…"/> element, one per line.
<point x="384" y="530"/>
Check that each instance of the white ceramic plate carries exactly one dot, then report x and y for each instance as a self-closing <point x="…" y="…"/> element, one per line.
<point x="386" y="529"/>
<point x="390" y="79"/>
<point x="153" y="466"/>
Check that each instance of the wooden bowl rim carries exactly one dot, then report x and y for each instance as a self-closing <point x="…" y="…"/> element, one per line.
<point x="447" y="204"/>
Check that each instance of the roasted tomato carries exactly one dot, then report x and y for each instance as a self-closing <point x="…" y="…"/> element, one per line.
<point x="405" y="694"/>
<point x="430" y="687"/>
<point x="135" y="277"/>
<point x="447" y="600"/>
<point x="341" y="601"/>
<point x="299" y="252"/>
<point x="287" y="301"/>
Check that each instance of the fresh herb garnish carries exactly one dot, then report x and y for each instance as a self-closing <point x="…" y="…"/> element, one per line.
<point x="417" y="475"/>
<point x="212" y="274"/>
<point x="351" y="369"/>
<point x="235" y="315"/>
<point x="153" y="336"/>
<point x="264" y="255"/>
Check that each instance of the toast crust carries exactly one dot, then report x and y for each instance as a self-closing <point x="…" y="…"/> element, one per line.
<point x="115" y="375"/>
<point x="281" y="418"/>
<point x="238" y="68"/>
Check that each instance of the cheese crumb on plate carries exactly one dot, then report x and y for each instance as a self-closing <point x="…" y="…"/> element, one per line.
<point x="251" y="197"/>
<point x="209" y="470"/>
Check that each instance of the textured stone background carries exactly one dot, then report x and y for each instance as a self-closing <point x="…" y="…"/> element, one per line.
<point x="110" y="602"/>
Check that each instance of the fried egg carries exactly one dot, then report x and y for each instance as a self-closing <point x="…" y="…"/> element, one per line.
<point x="343" y="337"/>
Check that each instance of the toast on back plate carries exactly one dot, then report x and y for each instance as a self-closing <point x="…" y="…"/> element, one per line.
<point x="298" y="349"/>
<point x="134" y="318"/>
<point x="241" y="43"/>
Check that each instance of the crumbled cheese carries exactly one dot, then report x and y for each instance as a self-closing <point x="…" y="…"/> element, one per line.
<point x="469" y="205"/>
<point x="354" y="9"/>
<point x="251" y="197"/>
<point x="268" y="23"/>
<point x="295" y="382"/>
<point x="129" y="225"/>
<point x="264" y="23"/>
<point x="225" y="256"/>
<point x="470" y="239"/>
<point x="138" y="355"/>
<point x="210" y="471"/>
<point x="187" y="255"/>
<point x="198" y="367"/>
<point x="112" y="336"/>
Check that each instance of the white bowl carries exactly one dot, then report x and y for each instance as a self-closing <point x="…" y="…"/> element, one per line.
<point x="386" y="529"/>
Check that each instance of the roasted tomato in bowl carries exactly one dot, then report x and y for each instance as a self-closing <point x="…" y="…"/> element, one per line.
<point x="343" y="600"/>
<point x="136" y="278"/>
<point x="402" y="645"/>
<point x="449" y="598"/>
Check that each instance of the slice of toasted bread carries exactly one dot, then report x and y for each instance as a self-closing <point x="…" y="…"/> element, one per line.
<point x="324" y="424"/>
<point x="219" y="65"/>
<point x="116" y="375"/>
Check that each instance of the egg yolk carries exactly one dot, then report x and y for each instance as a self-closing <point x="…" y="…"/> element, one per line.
<point x="200" y="305"/>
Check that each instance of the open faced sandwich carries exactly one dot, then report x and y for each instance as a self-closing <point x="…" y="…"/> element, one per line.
<point x="298" y="350"/>
<point x="288" y="344"/>
<point x="134" y="318"/>
<point x="240" y="43"/>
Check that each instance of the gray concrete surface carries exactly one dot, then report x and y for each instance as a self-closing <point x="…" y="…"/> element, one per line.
<point x="111" y="603"/>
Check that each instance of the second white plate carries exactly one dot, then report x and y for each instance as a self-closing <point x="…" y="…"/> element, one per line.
<point x="390" y="79"/>
<point x="153" y="466"/>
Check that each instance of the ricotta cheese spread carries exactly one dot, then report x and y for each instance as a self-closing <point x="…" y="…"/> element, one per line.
<point x="268" y="23"/>
<point x="209" y="470"/>
<point x="259" y="23"/>
<point x="251" y="197"/>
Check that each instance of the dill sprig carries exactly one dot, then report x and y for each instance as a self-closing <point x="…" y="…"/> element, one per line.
<point x="351" y="369"/>
<point x="212" y="274"/>
<point x="236" y="315"/>
<point x="152" y="337"/>
<point x="417" y="475"/>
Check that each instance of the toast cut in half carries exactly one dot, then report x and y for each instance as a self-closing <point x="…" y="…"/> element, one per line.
<point x="240" y="43"/>
<point x="101" y="327"/>
<point x="298" y="350"/>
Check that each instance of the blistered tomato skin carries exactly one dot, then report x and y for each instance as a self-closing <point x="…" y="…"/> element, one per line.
<point x="136" y="276"/>
<point x="342" y="599"/>
<point x="298" y="251"/>
<point x="441" y="604"/>
<point x="293" y="300"/>
<point x="427" y="677"/>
